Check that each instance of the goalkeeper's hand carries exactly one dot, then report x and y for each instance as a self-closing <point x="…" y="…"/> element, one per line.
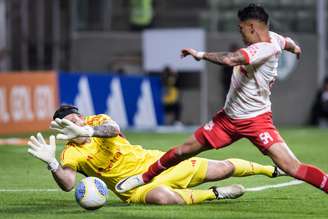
<point x="68" y="130"/>
<point x="41" y="150"/>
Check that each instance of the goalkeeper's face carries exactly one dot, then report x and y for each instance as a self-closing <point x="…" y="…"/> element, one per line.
<point x="78" y="120"/>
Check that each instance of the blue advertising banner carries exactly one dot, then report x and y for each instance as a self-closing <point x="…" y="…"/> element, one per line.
<point x="132" y="101"/>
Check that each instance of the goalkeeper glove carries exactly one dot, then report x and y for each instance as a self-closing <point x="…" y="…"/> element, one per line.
<point x="68" y="130"/>
<point x="43" y="151"/>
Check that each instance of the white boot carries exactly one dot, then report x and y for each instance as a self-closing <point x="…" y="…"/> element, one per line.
<point x="228" y="192"/>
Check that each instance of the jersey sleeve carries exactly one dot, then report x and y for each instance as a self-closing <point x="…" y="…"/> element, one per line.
<point x="97" y="120"/>
<point x="280" y="39"/>
<point x="70" y="157"/>
<point x="100" y="119"/>
<point x="258" y="52"/>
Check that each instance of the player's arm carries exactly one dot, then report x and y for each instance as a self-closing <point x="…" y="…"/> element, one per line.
<point x="68" y="130"/>
<point x="106" y="130"/>
<point x="219" y="58"/>
<point x="65" y="177"/>
<point x="291" y="46"/>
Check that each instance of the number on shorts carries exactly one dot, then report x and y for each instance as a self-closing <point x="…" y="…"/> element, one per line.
<point x="265" y="137"/>
<point x="209" y="126"/>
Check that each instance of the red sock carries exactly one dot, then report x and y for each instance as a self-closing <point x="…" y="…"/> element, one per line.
<point x="313" y="175"/>
<point x="169" y="159"/>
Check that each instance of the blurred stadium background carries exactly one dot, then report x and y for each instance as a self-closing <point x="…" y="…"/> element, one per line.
<point x="112" y="53"/>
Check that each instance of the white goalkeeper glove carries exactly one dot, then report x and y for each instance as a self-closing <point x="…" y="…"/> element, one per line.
<point x="68" y="130"/>
<point x="43" y="151"/>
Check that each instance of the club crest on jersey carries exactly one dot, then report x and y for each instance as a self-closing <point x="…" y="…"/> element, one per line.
<point x="209" y="126"/>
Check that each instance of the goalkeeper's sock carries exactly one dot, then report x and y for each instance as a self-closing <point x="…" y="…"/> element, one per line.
<point x="191" y="196"/>
<point x="248" y="168"/>
<point x="313" y="176"/>
<point x="169" y="159"/>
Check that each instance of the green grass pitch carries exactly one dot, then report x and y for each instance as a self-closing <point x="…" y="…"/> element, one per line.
<point x="18" y="170"/>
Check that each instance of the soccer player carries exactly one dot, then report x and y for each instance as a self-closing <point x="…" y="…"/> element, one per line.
<point x="247" y="110"/>
<point x="97" y="148"/>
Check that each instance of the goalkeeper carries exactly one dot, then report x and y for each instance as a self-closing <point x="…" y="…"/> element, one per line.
<point x="96" y="147"/>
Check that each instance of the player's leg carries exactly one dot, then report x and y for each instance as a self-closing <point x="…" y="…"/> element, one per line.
<point x="173" y="185"/>
<point x="171" y="158"/>
<point x="155" y="193"/>
<point x="216" y="134"/>
<point x="218" y="170"/>
<point x="265" y="136"/>
<point x="174" y="156"/>
<point x="248" y="168"/>
<point x="164" y="195"/>
<point x="287" y="161"/>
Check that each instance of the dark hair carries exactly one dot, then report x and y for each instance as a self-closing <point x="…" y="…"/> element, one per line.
<point x="65" y="110"/>
<point x="253" y="11"/>
<point x="325" y="81"/>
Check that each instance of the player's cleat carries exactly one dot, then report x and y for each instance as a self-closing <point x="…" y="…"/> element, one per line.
<point x="278" y="172"/>
<point x="228" y="192"/>
<point x="129" y="183"/>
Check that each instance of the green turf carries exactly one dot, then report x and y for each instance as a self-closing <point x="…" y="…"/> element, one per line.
<point x="21" y="171"/>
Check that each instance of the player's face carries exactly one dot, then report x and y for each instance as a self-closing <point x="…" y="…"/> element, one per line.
<point x="246" y="31"/>
<point x="78" y="120"/>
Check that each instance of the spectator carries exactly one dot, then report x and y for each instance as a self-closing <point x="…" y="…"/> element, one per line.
<point x="141" y="14"/>
<point x="171" y="101"/>
<point x="320" y="107"/>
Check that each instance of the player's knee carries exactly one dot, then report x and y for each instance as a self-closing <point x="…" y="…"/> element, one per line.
<point x="290" y="167"/>
<point x="284" y="158"/>
<point x="167" y="201"/>
<point x="67" y="188"/>
<point x="226" y="168"/>
<point x="162" y="196"/>
<point x="163" y="199"/>
<point x="229" y="166"/>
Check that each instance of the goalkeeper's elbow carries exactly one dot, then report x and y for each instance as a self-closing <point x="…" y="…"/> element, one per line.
<point x="115" y="130"/>
<point x="67" y="188"/>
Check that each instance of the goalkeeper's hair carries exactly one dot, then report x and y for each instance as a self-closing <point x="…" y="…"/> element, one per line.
<point x="253" y="11"/>
<point x="65" y="110"/>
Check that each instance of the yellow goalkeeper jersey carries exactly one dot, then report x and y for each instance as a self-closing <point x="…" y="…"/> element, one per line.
<point x="110" y="159"/>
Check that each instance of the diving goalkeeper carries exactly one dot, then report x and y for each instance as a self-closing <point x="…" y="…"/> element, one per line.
<point x="96" y="147"/>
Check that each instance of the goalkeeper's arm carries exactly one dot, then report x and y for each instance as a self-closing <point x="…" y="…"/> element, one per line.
<point x="108" y="129"/>
<point x="69" y="130"/>
<point x="65" y="177"/>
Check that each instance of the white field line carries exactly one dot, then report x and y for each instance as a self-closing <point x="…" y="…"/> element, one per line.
<point x="254" y="189"/>
<point x="265" y="187"/>
<point x="30" y="190"/>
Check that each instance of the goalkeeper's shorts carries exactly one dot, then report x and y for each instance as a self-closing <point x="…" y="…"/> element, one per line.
<point x="188" y="173"/>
